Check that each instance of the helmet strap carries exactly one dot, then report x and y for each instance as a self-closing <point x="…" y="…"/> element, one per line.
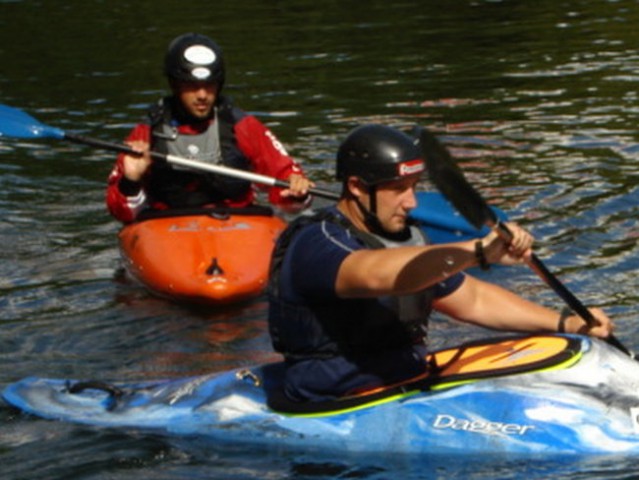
<point x="371" y="220"/>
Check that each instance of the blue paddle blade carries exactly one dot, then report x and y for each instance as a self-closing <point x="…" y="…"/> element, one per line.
<point x="441" y="221"/>
<point x="18" y="124"/>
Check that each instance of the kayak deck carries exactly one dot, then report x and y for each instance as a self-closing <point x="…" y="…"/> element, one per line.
<point x="206" y="256"/>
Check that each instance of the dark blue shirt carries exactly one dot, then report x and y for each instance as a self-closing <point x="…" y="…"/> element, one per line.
<point x="307" y="277"/>
<point x="315" y="255"/>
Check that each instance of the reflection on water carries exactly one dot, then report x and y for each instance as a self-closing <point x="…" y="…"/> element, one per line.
<point x="536" y="100"/>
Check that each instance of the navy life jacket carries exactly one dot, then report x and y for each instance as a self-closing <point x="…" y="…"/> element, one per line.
<point x="179" y="187"/>
<point x="324" y="328"/>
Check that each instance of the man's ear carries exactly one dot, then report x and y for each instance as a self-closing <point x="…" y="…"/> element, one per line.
<point x="356" y="187"/>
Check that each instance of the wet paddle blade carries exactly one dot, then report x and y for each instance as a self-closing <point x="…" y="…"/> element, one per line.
<point x="450" y="181"/>
<point x="17" y="124"/>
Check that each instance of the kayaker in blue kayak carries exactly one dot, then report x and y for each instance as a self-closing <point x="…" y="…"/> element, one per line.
<point x="197" y="122"/>
<point x="352" y="286"/>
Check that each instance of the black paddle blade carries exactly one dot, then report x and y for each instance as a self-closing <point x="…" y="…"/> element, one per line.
<point x="450" y="181"/>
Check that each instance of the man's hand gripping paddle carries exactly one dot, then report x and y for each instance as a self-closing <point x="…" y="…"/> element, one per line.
<point x="451" y="182"/>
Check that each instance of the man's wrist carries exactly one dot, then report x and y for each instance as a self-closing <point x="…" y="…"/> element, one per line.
<point x="480" y="255"/>
<point x="563" y="317"/>
<point x="128" y="187"/>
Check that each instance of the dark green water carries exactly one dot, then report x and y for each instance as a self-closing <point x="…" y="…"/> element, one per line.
<point x="537" y="100"/>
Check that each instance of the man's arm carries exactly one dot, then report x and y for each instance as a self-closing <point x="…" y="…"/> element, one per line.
<point x="125" y="196"/>
<point x="491" y="306"/>
<point x="269" y="157"/>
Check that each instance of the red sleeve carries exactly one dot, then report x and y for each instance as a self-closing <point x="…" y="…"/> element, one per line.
<point x="125" y="208"/>
<point x="267" y="154"/>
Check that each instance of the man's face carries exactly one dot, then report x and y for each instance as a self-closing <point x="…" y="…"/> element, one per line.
<point x="198" y="98"/>
<point x="394" y="201"/>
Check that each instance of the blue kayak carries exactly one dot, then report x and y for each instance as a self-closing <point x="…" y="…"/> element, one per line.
<point x="442" y="223"/>
<point x="543" y="393"/>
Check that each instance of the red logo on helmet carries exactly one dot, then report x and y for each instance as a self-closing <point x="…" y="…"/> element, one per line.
<point x="411" y="167"/>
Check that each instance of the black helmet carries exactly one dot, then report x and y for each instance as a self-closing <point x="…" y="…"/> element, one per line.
<point x="378" y="154"/>
<point x="194" y="58"/>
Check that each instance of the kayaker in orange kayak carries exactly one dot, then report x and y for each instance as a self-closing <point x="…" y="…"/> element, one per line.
<point x="197" y="122"/>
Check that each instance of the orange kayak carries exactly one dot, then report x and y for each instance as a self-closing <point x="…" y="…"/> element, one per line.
<point x="214" y="256"/>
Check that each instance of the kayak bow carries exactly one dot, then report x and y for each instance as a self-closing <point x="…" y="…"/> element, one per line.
<point x="213" y="257"/>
